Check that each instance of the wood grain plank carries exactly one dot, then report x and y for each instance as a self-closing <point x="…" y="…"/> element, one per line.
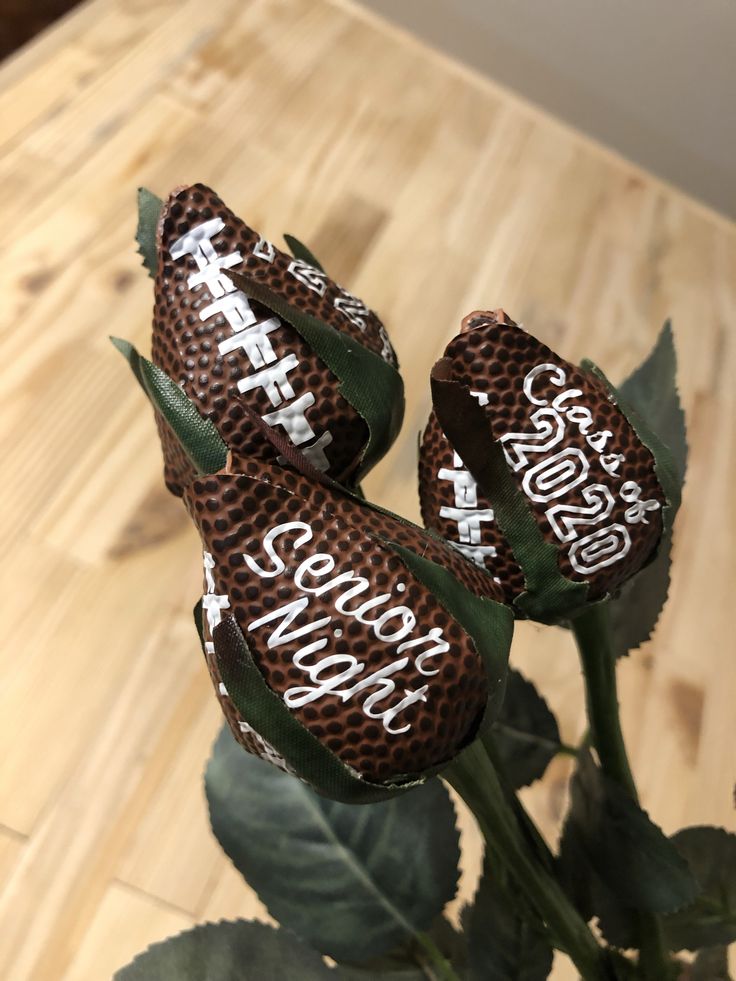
<point x="75" y="845"/>
<point x="11" y="850"/>
<point x="106" y="947"/>
<point x="174" y="855"/>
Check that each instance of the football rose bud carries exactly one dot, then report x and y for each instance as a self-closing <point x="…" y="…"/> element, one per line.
<point x="239" y="324"/>
<point x="345" y="645"/>
<point x="536" y="470"/>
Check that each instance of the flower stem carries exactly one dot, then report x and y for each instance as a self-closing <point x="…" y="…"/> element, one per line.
<point x="593" y="635"/>
<point x="474" y="777"/>
<point x="527" y="826"/>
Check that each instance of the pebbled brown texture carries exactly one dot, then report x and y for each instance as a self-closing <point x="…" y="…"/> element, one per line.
<point x="436" y="454"/>
<point x="233" y="513"/>
<point x="186" y="347"/>
<point x="493" y="355"/>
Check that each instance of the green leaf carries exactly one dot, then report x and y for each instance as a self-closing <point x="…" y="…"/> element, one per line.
<point x="227" y="951"/>
<point x="711" y="964"/>
<point x="412" y="961"/>
<point x="526" y="733"/>
<point x="450" y="942"/>
<point x="589" y="892"/>
<point x="665" y="468"/>
<point x="711" y="919"/>
<point x="632" y="856"/>
<point x="198" y="436"/>
<point x="623" y="968"/>
<point x="352" y="881"/>
<point x="652" y="392"/>
<point x="300" y="251"/>
<point x="372" y="386"/>
<point x="149" y="211"/>
<point x="488" y="623"/>
<point x="506" y="940"/>
<point x="381" y="969"/>
<point x="636" y="610"/>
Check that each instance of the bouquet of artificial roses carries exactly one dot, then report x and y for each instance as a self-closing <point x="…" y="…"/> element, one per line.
<point x="361" y="656"/>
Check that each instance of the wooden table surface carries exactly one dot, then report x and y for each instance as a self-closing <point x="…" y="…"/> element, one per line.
<point x="429" y="192"/>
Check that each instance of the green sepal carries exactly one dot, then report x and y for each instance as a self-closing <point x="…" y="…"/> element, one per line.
<point x="300" y="251"/>
<point x="198" y="436"/>
<point x="264" y="710"/>
<point x="373" y="387"/>
<point x="489" y="624"/>
<point x="149" y="212"/>
<point x="549" y="596"/>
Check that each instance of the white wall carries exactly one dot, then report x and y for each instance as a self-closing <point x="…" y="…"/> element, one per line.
<point x="655" y="79"/>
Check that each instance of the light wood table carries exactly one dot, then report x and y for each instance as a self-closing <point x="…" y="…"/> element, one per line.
<point x="428" y="191"/>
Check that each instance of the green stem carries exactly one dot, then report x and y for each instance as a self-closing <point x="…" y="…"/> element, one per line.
<point x="527" y="826"/>
<point x="440" y="966"/>
<point x="474" y="777"/>
<point x="593" y="635"/>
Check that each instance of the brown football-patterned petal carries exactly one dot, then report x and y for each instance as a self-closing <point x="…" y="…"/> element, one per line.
<point x="453" y="505"/>
<point x="589" y="480"/>
<point x="362" y="653"/>
<point x="228" y="351"/>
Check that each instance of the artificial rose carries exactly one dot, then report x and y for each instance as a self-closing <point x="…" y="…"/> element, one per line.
<point x="380" y="640"/>
<point x="531" y="467"/>
<point x="229" y="351"/>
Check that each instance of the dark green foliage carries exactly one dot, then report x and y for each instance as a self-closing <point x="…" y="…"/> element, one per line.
<point x="506" y="941"/>
<point x="352" y="881"/>
<point x="630" y="854"/>
<point x="590" y="893"/>
<point x="711" y="919"/>
<point x="638" y="607"/>
<point x="411" y="962"/>
<point x="392" y="968"/>
<point x="652" y="391"/>
<point x="228" y="951"/>
<point x="525" y="733"/>
<point x="711" y="964"/>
